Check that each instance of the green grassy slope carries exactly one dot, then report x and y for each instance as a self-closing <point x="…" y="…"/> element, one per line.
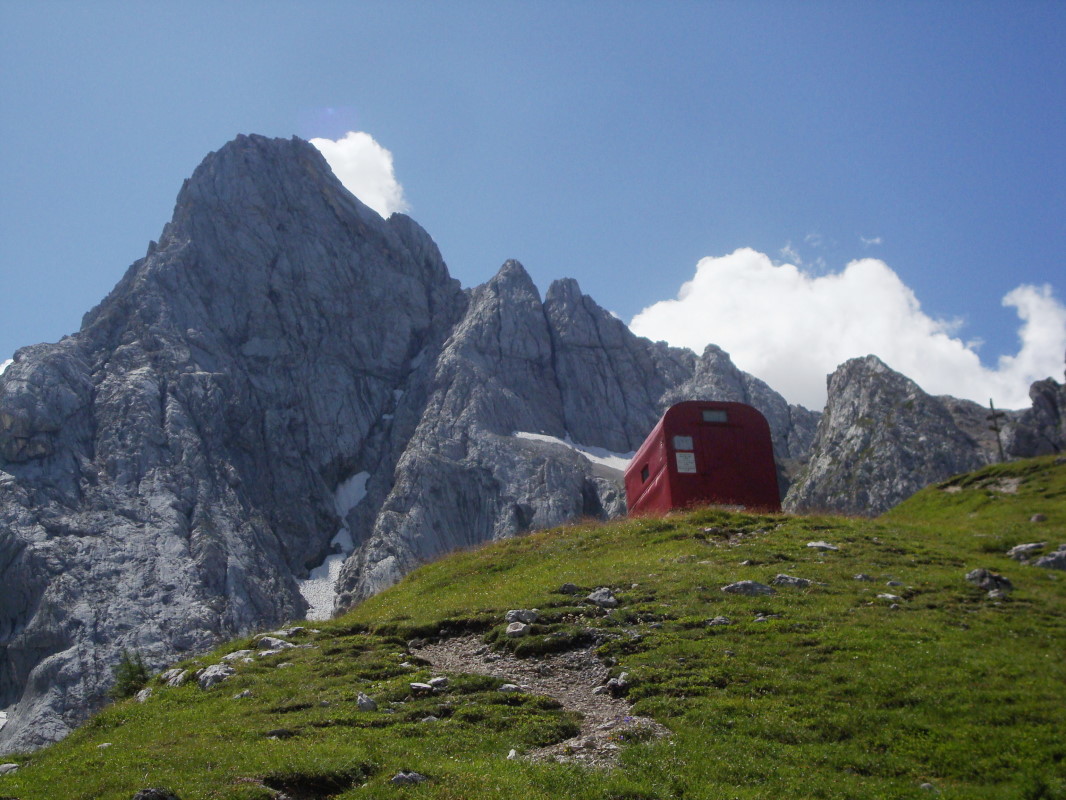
<point x="841" y="696"/>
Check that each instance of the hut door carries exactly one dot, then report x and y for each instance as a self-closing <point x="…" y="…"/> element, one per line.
<point x="719" y="460"/>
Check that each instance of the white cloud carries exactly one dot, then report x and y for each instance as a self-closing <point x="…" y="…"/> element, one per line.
<point x="365" y="169"/>
<point x="789" y="253"/>
<point x="5" y="364"/>
<point x="792" y="328"/>
<point x="871" y="240"/>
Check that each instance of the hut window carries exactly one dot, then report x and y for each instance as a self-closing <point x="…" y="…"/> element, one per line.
<point x="683" y="443"/>
<point x="644" y="474"/>
<point x="715" y="415"/>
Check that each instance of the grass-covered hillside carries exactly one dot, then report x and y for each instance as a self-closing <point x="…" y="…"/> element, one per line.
<point x="845" y="688"/>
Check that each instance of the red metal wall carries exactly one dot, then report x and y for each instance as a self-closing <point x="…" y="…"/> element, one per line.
<point x="703" y="453"/>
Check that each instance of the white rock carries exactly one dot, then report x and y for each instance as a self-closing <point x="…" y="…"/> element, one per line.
<point x="822" y="546"/>
<point x="518" y="629"/>
<point x="603" y="597"/>
<point x="1021" y="552"/>
<point x="175" y="677"/>
<point x="214" y="674"/>
<point x="273" y="643"/>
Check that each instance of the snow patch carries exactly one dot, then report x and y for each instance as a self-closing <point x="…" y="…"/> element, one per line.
<point x="3" y="714"/>
<point x="3" y="366"/>
<point x="597" y="455"/>
<point x="349" y="493"/>
<point x="320" y="588"/>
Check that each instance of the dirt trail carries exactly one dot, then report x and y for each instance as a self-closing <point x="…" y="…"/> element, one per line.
<point x="568" y="677"/>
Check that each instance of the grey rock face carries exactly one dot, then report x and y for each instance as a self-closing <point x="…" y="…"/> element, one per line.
<point x="613" y="385"/>
<point x="880" y="439"/>
<point x="167" y="471"/>
<point x="715" y="377"/>
<point x="1040" y="430"/>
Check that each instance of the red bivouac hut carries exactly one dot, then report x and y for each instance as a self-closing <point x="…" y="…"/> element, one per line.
<point x="703" y="453"/>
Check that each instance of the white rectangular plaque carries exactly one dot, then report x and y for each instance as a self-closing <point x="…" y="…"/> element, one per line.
<point x="686" y="462"/>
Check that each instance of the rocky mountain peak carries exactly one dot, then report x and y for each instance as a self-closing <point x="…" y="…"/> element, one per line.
<point x="512" y="277"/>
<point x="565" y="292"/>
<point x="879" y="440"/>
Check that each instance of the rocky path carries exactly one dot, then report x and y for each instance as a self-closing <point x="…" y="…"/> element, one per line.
<point x="576" y="678"/>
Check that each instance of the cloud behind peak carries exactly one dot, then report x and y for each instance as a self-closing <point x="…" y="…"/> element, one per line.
<point x="791" y="328"/>
<point x="365" y="168"/>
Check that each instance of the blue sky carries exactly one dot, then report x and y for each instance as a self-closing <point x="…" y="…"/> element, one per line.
<point x="616" y="143"/>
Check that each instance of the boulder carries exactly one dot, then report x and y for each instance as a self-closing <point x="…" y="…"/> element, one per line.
<point x="174" y="677"/>
<point x="1023" y="552"/>
<point x="527" y="615"/>
<point x="366" y="703"/>
<point x="603" y="597"/>
<point x="517" y="630"/>
<point x="1055" y="560"/>
<point x="748" y="588"/>
<point x="988" y="580"/>
<point x="274" y="644"/>
<point x="822" y="546"/>
<point x="790" y="581"/>
<point x="214" y="675"/>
